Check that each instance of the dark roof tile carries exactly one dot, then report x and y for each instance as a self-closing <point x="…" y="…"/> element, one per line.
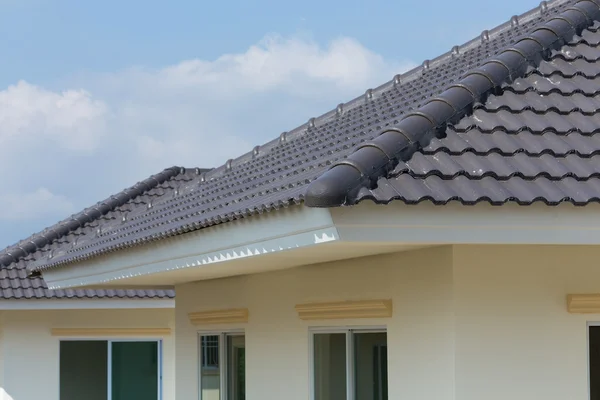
<point x="414" y="189"/>
<point x="15" y="284"/>
<point x="487" y="137"/>
<point x="527" y="140"/>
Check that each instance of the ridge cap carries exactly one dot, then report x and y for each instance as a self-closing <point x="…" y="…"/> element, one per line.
<point x="398" y="79"/>
<point x="371" y="160"/>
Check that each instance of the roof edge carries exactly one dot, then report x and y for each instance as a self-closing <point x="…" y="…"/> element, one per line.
<point x="374" y="159"/>
<point x="37" y="241"/>
<point x="371" y="93"/>
<point x="38" y="304"/>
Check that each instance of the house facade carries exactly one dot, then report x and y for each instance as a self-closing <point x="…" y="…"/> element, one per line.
<point x="83" y="344"/>
<point x="468" y="322"/>
<point x="434" y="238"/>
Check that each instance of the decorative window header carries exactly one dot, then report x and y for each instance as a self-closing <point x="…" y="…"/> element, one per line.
<point x="236" y="315"/>
<point x="345" y="310"/>
<point x="102" y="332"/>
<point x="583" y="303"/>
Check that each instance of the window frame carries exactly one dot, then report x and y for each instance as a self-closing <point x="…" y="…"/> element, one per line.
<point x="223" y="372"/>
<point x="350" y="370"/>
<point x="588" y="325"/>
<point x="109" y="341"/>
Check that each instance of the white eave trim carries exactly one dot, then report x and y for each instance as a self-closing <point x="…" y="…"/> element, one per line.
<point x="453" y="223"/>
<point x="84" y="304"/>
<point x="292" y="228"/>
<point x="270" y="246"/>
<point x="300" y="227"/>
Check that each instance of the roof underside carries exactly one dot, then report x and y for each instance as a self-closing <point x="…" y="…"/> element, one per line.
<point x="531" y="141"/>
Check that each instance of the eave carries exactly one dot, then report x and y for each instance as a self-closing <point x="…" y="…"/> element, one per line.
<point x="85" y="304"/>
<point x="301" y="236"/>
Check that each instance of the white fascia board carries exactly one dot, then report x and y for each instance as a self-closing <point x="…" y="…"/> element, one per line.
<point x="84" y="304"/>
<point x="285" y="229"/>
<point x="428" y="224"/>
<point x="302" y="227"/>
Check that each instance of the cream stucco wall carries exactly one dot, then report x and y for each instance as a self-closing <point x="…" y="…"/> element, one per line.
<point x="469" y="323"/>
<point x="30" y="354"/>
<point x="514" y="336"/>
<point x="277" y="341"/>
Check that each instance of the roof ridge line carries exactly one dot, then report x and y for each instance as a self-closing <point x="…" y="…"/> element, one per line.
<point x="374" y="159"/>
<point x="398" y="79"/>
<point x="37" y="241"/>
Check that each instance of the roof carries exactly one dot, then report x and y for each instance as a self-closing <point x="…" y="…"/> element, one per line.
<point x="482" y="122"/>
<point x="15" y="284"/>
<point x="519" y="128"/>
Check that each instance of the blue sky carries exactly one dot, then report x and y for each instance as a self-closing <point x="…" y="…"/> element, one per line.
<point x="95" y="96"/>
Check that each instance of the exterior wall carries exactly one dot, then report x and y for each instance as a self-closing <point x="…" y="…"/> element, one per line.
<point x="3" y="395"/>
<point x="30" y="355"/>
<point x="514" y="336"/>
<point x="420" y="343"/>
<point x="470" y="322"/>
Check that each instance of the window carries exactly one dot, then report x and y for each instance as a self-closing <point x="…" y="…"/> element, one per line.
<point x="109" y="369"/>
<point x="222" y="366"/>
<point x="210" y="352"/>
<point x="594" y="360"/>
<point x="349" y="364"/>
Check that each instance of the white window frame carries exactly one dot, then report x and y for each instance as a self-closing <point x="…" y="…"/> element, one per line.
<point x="109" y="342"/>
<point x="349" y="331"/>
<point x="223" y="373"/>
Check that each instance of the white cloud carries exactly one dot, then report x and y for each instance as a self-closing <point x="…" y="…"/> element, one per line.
<point x="40" y="203"/>
<point x="282" y="63"/>
<point x="70" y="120"/>
<point x="114" y="129"/>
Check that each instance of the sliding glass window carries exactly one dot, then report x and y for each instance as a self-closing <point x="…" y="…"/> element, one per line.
<point x="110" y="369"/>
<point x="222" y="366"/>
<point x="349" y="364"/>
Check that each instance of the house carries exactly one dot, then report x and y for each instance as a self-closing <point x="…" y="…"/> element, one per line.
<point x="57" y="344"/>
<point x="435" y="238"/>
<point x="88" y="344"/>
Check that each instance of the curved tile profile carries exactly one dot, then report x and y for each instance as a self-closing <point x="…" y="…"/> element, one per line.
<point x="500" y="167"/>
<point x="543" y="103"/>
<point x="413" y="190"/>
<point x="552" y="121"/>
<point x="539" y="83"/>
<point x="349" y="180"/>
<point x="531" y="143"/>
<point x="535" y="140"/>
